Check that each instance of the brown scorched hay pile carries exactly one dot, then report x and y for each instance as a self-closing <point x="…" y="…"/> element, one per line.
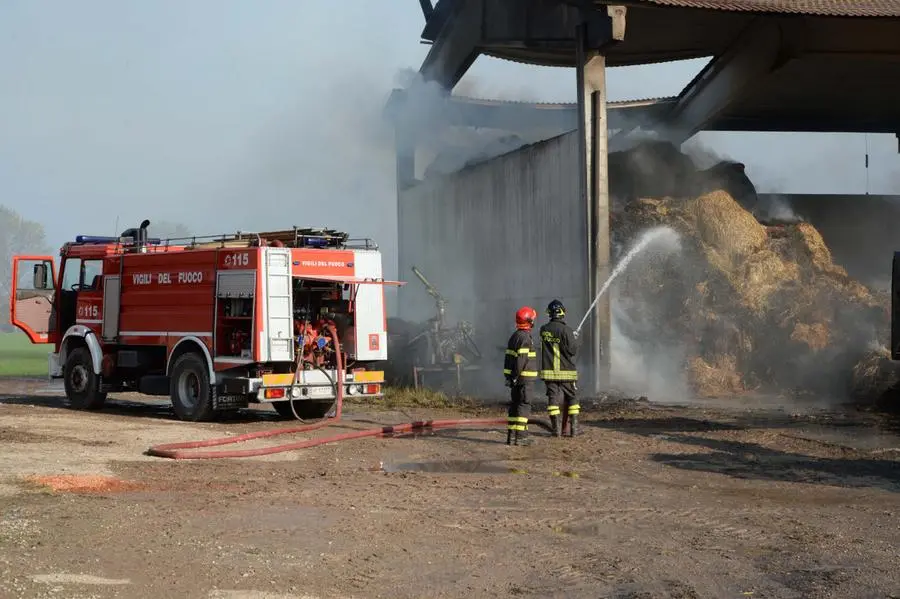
<point x="756" y="308"/>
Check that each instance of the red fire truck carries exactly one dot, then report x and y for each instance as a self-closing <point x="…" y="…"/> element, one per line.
<point x="215" y="323"/>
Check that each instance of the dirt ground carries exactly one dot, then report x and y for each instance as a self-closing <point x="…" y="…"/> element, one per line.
<point x="651" y="501"/>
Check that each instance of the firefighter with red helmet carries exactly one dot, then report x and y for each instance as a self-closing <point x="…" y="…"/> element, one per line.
<point x="558" y="348"/>
<point x="520" y="369"/>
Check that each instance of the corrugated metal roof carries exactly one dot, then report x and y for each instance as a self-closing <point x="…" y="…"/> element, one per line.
<point x="560" y="105"/>
<point x="833" y="8"/>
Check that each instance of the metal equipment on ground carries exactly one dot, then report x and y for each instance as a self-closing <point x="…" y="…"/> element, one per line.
<point x="441" y="349"/>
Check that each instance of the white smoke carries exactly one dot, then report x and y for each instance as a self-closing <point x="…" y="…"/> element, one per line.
<point x="775" y="208"/>
<point x="638" y="369"/>
<point x="658" y="374"/>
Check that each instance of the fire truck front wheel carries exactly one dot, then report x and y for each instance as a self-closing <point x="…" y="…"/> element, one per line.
<point x="81" y="382"/>
<point x="191" y="393"/>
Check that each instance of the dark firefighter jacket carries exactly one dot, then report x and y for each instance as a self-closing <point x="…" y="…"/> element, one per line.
<point x="558" y="349"/>
<point x="520" y="364"/>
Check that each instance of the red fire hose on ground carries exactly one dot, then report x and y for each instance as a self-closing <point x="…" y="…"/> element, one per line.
<point x="176" y="451"/>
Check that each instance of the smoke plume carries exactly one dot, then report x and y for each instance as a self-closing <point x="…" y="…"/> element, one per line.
<point x="654" y="369"/>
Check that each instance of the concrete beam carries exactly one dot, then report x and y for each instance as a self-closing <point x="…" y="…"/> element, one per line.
<point x="755" y="54"/>
<point x="521" y="117"/>
<point x="530" y="24"/>
<point x="594" y="179"/>
<point x="836" y="123"/>
<point x="405" y="147"/>
<point x="462" y="29"/>
<point x="516" y="116"/>
<point x="406" y="178"/>
<point x="427" y="8"/>
<point x="456" y="45"/>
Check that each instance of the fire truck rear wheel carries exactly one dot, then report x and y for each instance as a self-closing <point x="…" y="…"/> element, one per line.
<point x="81" y="382"/>
<point x="192" y="395"/>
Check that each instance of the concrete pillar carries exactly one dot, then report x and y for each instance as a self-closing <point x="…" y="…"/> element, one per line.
<point x="406" y="177"/>
<point x="405" y="147"/>
<point x="592" y="122"/>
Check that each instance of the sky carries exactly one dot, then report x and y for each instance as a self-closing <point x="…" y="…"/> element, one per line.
<point x="227" y="115"/>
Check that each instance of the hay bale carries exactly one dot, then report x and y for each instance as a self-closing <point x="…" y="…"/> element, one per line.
<point x="794" y="304"/>
<point x="751" y="306"/>
<point x="717" y="335"/>
<point x="813" y="247"/>
<point x="716" y="379"/>
<point x="725" y="226"/>
<point x="815" y="336"/>
<point x="777" y="232"/>
<point x="759" y="276"/>
<point x="874" y="375"/>
<point x="859" y="295"/>
<point x="650" y="212"/>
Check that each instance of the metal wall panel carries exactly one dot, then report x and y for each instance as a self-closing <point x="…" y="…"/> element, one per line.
<point x="495" y="236"/>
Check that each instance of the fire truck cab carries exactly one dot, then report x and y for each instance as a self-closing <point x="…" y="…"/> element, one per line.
<point x="215" y="323"/>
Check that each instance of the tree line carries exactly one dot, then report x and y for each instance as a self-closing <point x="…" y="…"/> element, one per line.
<point x="17" y="236"/>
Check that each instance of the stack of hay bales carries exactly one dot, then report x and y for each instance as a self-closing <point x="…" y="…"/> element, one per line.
<point x="756" y="307"/>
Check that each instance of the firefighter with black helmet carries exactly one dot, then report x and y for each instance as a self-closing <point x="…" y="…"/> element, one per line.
<point x="559" y="345"/>
<point x="520" y="370"/>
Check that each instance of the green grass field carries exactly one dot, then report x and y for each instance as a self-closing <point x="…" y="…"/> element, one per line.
<point x="19" y="357"/>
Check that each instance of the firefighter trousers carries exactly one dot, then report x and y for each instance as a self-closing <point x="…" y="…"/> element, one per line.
<point x="519" y="409"/>
<point x="562" y="394"/>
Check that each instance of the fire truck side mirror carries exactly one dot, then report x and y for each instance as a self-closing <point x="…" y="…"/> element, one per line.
<point x="40" y="276"/>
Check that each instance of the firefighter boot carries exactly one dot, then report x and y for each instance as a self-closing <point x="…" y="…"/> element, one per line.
<point x="573" y="425"/>
<point x="509" y="436"/>
<point x="554" y="424"/>
<point x="522" y="438"/>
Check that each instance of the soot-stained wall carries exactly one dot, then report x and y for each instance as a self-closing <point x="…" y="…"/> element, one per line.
<point x="495" y="236"/>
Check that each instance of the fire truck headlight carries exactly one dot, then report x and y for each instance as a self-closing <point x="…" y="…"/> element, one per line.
<point x="353" y="389"/>
<point x="295" y="392"/>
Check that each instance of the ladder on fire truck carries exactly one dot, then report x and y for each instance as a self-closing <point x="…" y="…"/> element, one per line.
<point x="136" y="240"/>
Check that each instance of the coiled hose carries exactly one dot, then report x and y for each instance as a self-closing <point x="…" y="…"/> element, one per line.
<point x="176" y="451"/>
<point x="337" y="386"/>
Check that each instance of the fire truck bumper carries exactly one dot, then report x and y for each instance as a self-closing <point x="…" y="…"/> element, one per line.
<point x="235" y="392"/>
<point x="317" y="385"/>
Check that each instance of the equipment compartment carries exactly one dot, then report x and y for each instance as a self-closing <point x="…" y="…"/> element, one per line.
<point x="234" y="314"/>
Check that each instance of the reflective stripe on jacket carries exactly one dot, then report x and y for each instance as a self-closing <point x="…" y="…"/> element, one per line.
<point x="520" y="361"/>
<point x="558" y="350"/>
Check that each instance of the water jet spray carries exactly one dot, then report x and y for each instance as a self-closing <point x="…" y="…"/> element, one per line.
<point x="662" y="235"/>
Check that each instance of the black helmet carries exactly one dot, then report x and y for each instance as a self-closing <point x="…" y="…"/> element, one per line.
<point x="555" y="309"/>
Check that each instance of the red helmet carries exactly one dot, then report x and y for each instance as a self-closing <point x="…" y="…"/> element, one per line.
<point x="525" y="317"/>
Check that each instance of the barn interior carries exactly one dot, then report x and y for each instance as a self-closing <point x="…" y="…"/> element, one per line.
<point x="553" y="193"/>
